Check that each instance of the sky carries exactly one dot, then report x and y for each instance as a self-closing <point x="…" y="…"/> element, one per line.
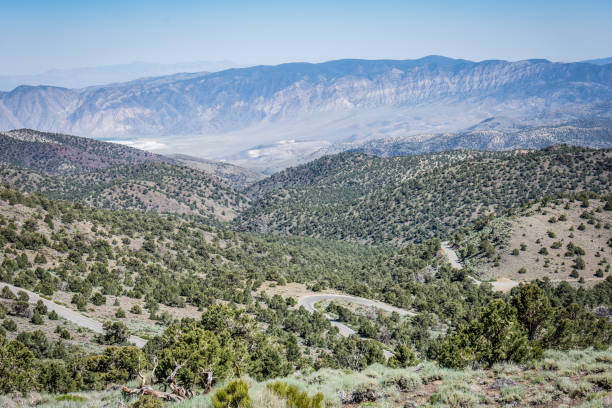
<point x="38" y="35"/>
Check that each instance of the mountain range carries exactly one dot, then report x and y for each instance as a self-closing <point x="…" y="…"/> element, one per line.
<point x="307" y="106"/>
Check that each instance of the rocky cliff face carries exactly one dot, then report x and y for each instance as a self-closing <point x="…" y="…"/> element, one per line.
<point x="238" y="99"/>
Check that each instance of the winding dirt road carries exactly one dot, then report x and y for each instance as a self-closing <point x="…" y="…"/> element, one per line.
<point x="501" y="285"/>
<point x="68" y="314"/>
<point x="310" y="301"/>
<point x="451" y="255"/>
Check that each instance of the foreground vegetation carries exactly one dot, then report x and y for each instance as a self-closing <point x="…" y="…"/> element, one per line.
<point x="575" y="378"/>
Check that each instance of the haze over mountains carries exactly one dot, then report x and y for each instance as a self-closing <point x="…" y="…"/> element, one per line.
<point x="91" y="76"/>
<point x="283" y="114"/>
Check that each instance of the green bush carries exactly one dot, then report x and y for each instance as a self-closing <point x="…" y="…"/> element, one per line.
<point x="496" y="336"/>
<point x="147" y="401"/>
<point x="296" y="398"/>
<point x="98" y="299"/>
<point x="7" y="293"/>
<point x="403" y="357"/>
<point x="16" y="367"/>
<point x="36" y="318"/>
<point x="234" y="395"/>
<point x="10" y="325"/>
<point x="40" y="307"/>
<point x="114" y="333"/>
<point x="453" y="396"/>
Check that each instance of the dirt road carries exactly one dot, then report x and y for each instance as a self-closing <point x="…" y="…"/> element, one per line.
<point x="68" y="314"/>
<point x="310" y="301"/>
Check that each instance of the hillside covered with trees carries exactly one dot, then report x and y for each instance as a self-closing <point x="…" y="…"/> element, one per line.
<point x="210" y="278"/>
<point x="395" y="200"/>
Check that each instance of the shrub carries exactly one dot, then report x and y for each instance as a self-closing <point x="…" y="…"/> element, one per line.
<point x="80" y="301"/>
<point x="7" y="294"/>
<point x="40" y="307"/>
<point x="234" y="395"/>
<point x="405" y="382"/>
<point x="98" y="299"/>
<point x="16" y="367"/>
<point x="453" y="396"/>
<point x="120" y="313"/>
<point x="53" y="315"/>
<point x="510" y="395"/>
<point x="296" y="398"/>
<point x="55" y="377"/>
<point x="114" y="333"/>
<point x="147" y="401"/>
<point x="496" y="336"/>
<point x="603" y="380"/>
<point x="9" y="325"/>
<point x="403" y="357"/>
<point x="36" y="318"/>
<point x="22" y="309"/>
<point x="136" y="309"/>
<point x="63" y="332"/>
<point x="23" y="296"/>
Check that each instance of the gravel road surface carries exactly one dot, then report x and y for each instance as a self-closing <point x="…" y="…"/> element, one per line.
<point x="69" y="314"/>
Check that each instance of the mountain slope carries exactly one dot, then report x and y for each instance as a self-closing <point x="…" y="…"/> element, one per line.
<point x="350" y="100"/>
<point x="113" y="176"/>
<point x="57" y="153"/>
<point x="559" y="239"/>
<point x="401" y="199"/>
<point x="236" y="176"/>
<point x="149" y="186"/>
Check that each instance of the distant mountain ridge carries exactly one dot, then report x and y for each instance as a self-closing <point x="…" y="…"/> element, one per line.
<point x="600" y="61"/>
<point x="491" y="134"/>
<point x="335" y="101"/>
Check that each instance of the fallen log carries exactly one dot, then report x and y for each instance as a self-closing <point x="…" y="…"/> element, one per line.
<point x="145" y="389"/>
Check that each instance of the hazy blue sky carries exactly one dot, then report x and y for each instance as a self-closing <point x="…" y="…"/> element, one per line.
<point x="44" y="34"/>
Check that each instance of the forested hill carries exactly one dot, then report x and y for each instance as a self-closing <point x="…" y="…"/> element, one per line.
<point x="355" y="197"/>
<point x="113" y="176"/>
<point x="150" y="187"/>
<point x="56" y="153"/>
